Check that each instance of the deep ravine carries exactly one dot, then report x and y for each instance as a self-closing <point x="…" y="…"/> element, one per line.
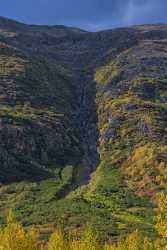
<point x="87" y="122"/>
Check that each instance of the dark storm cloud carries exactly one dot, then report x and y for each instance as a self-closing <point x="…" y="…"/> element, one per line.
<point x="87" y="14"/>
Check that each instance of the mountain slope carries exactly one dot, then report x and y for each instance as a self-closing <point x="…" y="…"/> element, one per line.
<point x="83" y="112"/>
<point x="36" y="109"/>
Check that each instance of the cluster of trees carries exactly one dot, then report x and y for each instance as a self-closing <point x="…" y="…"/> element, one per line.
<point x="146" y="169"/>
<point x="89" y="241"/>
<point x="14" y="237"/>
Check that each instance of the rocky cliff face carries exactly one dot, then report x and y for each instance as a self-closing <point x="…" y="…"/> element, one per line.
<point x="74" y="102"/>
<point x="38" y="105"/>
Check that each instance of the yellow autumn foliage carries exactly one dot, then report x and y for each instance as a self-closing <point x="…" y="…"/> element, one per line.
<point x="161" y="219"/>
<point x="14" y="237"/>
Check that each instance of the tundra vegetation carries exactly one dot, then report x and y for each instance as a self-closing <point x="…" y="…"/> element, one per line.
<point x="13" y="236"/>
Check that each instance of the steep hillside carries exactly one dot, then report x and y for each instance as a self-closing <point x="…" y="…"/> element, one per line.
<point x="83" y="125"/>
<point x="37" y="131"/>
<point x="131" y="97"/>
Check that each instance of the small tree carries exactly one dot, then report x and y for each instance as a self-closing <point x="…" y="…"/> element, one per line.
<point x="58" y="241"/>
<point x="148" y="244"/>
<point x="89" y="240"/>
<point x="133" y="241"/>
<point x="161" y="217"/>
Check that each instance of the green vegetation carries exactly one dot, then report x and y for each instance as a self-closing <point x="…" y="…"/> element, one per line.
<point x="107" y="74"/>
<point x="13" y="236"/>
<point x="132" y="124"/>
<point x="26" y="113"/>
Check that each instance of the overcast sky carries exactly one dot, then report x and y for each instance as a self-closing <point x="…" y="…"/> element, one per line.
<point x="87" y="14"/>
